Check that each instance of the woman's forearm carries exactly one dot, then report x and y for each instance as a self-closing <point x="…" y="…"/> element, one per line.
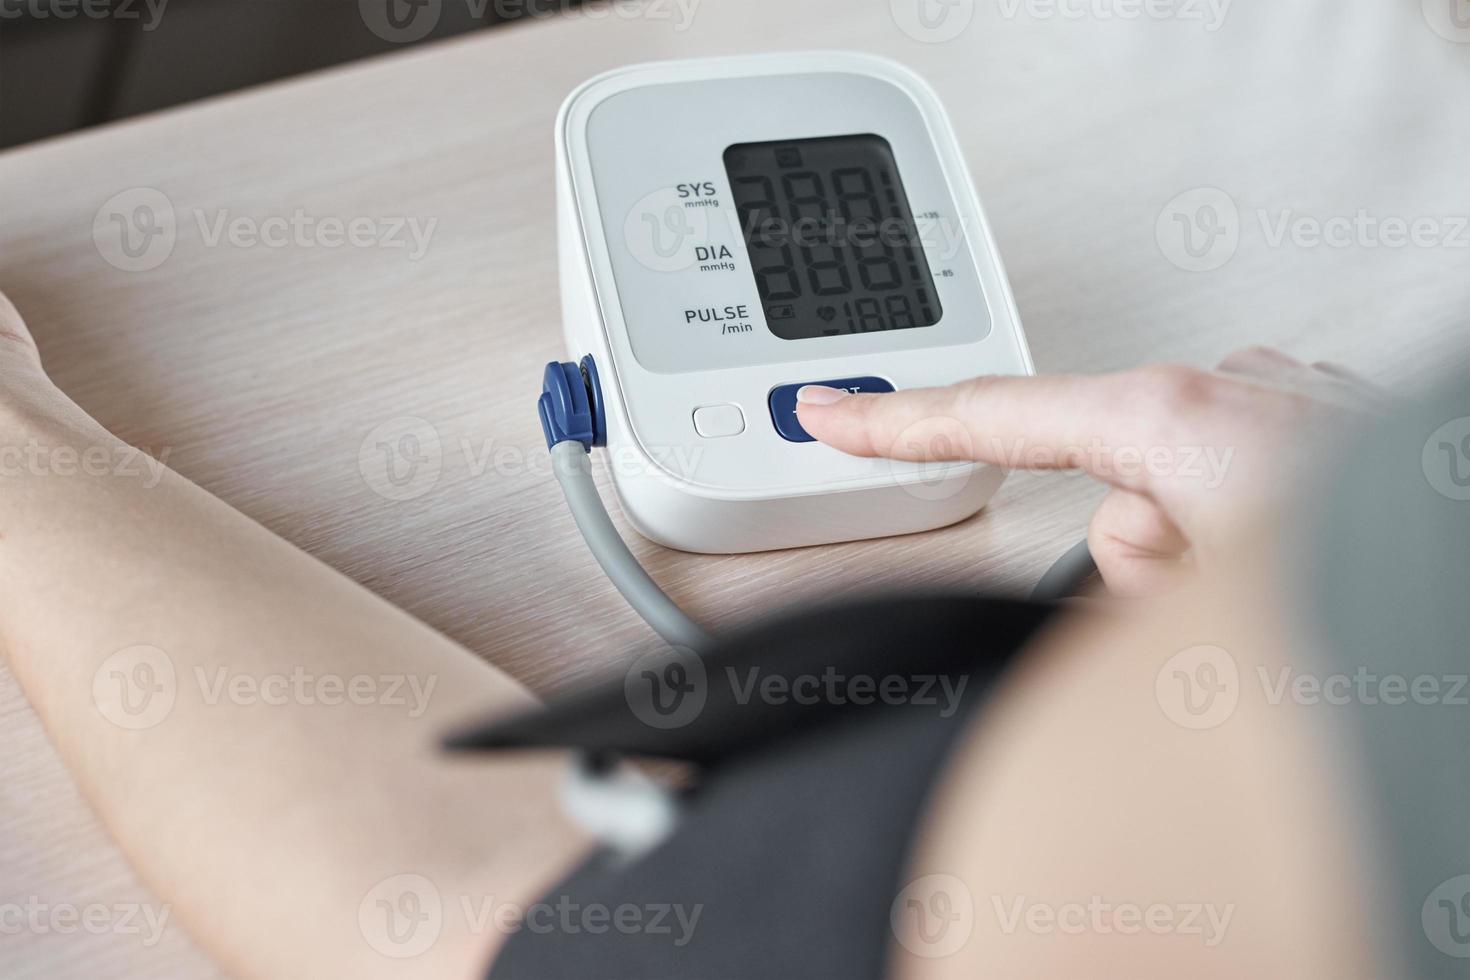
<point x="256" y="730"/>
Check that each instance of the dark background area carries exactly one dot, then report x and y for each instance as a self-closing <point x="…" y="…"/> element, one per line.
<point x="68" y="64"/>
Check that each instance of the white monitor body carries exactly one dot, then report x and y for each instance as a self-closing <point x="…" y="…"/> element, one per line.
<point x="658" y="286"/>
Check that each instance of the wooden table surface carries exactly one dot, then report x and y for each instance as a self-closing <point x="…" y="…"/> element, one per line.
<point x="269" y="374"/>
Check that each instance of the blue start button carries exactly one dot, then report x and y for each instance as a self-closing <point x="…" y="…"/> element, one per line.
<point x="783" y="403"/>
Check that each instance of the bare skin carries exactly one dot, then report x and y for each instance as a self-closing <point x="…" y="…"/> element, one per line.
<point x="270" y="827"/>
<point x="266" y="826"/>
<point x="1190" y="456"/>
<point x="1082" y="799"/>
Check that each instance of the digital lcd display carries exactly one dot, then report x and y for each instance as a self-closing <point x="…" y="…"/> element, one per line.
<point x="832" y="242"/>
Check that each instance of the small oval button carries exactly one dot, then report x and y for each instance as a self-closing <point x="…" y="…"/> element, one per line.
<point x="719" y="421"/>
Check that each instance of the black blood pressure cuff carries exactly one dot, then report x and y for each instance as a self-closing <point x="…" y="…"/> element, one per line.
<point x="817" y="740"/>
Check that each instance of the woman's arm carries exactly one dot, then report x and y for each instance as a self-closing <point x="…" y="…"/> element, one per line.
<point x="257" y="731"/>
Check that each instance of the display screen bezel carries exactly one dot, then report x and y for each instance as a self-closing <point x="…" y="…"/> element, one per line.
<point x="836" y="250"/>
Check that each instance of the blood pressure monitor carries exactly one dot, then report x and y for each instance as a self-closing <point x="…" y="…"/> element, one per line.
<point x="732" y="229"/>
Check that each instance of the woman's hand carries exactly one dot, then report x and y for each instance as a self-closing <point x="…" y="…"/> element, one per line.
<point x="24" y="387"/>
<point x="1189" y="454"/>
<point x="17" y="349"/>
<point x="32" y="407"/>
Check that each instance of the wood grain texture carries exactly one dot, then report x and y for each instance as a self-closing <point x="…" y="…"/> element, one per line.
<point x="263" y="372"/>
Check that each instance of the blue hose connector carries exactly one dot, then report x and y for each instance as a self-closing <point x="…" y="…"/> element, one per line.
<point x="571" y="404"/>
